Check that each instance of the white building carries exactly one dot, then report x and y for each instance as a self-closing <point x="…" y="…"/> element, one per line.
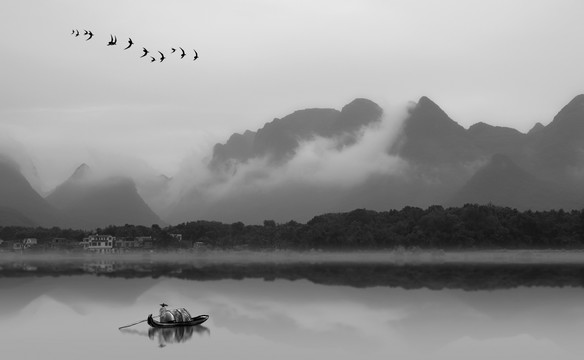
<point x="99" y="243"/>
<point x="28" y="242"/>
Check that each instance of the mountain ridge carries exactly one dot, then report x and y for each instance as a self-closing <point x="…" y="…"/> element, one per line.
<point x="309" y="159"/>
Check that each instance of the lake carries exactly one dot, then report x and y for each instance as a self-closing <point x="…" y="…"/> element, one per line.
<point x="509" y="305"/>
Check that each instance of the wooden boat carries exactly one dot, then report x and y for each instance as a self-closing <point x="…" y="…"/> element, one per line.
<point x="197" y="320"/>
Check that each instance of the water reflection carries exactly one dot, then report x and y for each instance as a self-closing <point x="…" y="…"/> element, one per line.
<point x="167" y="336"/>
<point x="415" y="275"/>
<point x="73" y="317"/>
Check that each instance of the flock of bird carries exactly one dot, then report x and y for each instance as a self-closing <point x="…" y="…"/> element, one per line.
<point x="114" y="41"/>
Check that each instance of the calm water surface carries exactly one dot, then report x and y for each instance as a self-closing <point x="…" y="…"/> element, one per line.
<point x="76" y="316"/>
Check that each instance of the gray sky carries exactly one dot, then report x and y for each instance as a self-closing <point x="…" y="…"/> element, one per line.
<point x="510" y="63"/>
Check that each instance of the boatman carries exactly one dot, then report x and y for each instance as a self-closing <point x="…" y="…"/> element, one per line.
<point x="165" y="314"/>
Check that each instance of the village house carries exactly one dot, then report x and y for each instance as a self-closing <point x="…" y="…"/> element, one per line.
<point x="178" y="237"/>
<point x="128" y="244"/>
<point x="145" y="241"/>
<point x="99" y="243"/>
<point x="29" y="242"/>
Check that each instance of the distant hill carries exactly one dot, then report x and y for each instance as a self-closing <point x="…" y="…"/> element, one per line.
<point x="20" y="204"/>
<point x="91" y="202"/>
<point x="558" y="153"/>
<point x="496" y="139"/>
<point x="501" y="182"/>
<point x="11" y="217"/>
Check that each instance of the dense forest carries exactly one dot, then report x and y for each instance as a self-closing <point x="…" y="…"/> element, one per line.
<point x="467" y="227"/>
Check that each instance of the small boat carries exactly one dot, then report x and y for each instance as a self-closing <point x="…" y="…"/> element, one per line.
<point x="197" y="320"/>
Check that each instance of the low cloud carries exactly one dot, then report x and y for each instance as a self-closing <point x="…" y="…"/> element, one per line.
<point x="318" y="162"/>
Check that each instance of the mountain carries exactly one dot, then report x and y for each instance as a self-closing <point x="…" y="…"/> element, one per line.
<point x="20" y="204"/>
<point x="430" y="136"/>
<point x="432" y="160"/>
<point x="278" y="139"/>
<point x="445" y="164"/>
<point x="496" y="139"/>
<point x="559" y="146"/>
<point x="91" y="202"/>
<point x="503" y="183"/>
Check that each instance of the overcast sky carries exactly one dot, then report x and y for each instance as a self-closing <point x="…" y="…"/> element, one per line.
<point x="505" y="62"/>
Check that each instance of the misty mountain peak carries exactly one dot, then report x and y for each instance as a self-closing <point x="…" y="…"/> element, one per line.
<point x="82" y="172"/>
<point x="571" y="117"/>
<point x="427" y="105"/>
<point x="431" y="136"/>
<point x="577" y="104"/>
<point x="538" y="127"/>
<point x="428" y="116"/>
<point x="363" y="109"/>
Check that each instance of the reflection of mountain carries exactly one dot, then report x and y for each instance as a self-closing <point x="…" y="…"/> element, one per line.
<point x="360" y="275"/>
<point x="19" y="287"/>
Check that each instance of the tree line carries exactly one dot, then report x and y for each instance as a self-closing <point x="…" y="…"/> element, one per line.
<point x="469" y="227"/>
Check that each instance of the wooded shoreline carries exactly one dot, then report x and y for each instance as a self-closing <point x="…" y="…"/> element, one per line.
<point x="470" y="227"/>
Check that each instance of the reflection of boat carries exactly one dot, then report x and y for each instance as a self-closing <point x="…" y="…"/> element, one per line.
<point x="197" y="320"/>
<point x="176" y="335"/>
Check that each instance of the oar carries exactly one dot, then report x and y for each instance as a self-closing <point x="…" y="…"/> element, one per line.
<point x="136" y="323"/>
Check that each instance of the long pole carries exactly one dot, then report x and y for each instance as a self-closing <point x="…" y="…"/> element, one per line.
<point x="136" y="323"/>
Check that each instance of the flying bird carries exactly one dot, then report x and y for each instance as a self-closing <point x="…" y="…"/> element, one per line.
<point x="76" y="33"/>
<point x="73" y="32"/>
<point x="196" y="55"/>
<point x="130" y="43"/>
<point x="145" y="52"/>
<point x="161" y="56"/>
<point x="173" y="50"/>
<point x="90" y="35"/>
<point x="182" y="55"/>
<point x="152" y="59"/>
<point x="85" y="32"/>
<point x="113" y="40"/>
